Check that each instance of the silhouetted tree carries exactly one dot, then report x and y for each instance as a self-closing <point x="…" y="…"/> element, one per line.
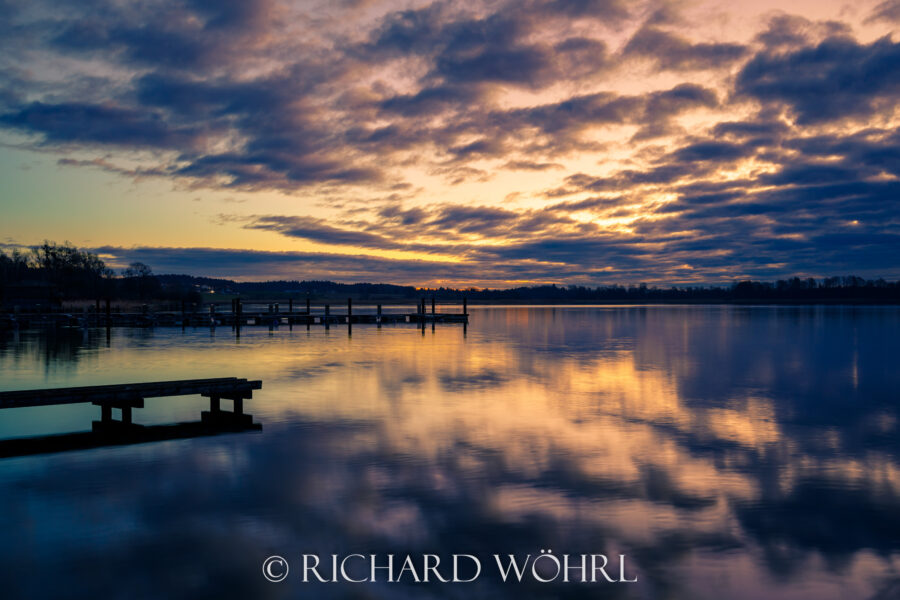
<point x="138" y="281"/>
<point x="76" y="273"/>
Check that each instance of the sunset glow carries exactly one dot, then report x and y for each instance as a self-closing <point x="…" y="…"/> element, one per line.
<point x="485" y="143"/>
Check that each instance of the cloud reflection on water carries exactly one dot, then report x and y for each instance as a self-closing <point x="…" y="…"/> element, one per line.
<point x="729" y="452"/>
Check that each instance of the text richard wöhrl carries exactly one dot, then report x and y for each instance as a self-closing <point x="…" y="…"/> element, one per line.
<point x="545" y="567"/>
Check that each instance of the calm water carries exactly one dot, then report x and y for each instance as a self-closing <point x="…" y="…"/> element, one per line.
<point x="727" y="452"/>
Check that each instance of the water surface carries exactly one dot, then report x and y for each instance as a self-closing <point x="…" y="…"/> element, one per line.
<point x="728" y="452"/>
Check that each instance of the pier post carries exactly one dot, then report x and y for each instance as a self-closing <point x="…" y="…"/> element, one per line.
<point x="464" y="306"/>
<point x="349" y="309"/>
<point x="108" y="316"/>
<point x="126" y="415"/>
<point x="214" y="404"/>
<point x="432" y="306"/>
<point x="307" y="306"/>
<point x="106" y="413"/>
<point x="378" y="316"/>
<point x="238" y="406"/>
<point x="239" y="311"/>
<point x="327" y="310"/>
<point x="290" y="305"/>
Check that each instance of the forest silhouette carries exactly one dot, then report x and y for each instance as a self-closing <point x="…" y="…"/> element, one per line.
<point x="53" y="273"/>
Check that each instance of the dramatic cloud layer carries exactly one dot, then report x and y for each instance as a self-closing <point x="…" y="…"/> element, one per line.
<point x="545" y="140"/>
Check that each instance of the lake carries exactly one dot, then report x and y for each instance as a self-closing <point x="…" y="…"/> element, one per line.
<point x="724" y="451"/>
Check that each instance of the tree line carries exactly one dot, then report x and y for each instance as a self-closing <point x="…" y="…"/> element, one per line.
<point x="62" y="272"/>
<point x="831" y="289"/>
<point x="53" y="272"/>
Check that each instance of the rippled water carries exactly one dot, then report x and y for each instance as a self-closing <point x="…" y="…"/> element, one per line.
<point x="727" y="452"/>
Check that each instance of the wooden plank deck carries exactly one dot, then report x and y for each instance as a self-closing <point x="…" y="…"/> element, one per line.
<point x="130" y="393"/>
<point x="126" y="397"/>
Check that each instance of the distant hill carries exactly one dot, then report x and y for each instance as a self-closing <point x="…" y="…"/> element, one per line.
<point x="297" y="288"/>
<point x="796" y="290"/>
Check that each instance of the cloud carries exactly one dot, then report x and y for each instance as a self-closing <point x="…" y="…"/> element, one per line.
<point x="785" y="31"/>
<point x="766" y="129"/>
<point x="184" y="35"/>
<point x="487" y="50"/>
<point x="834" y="79"/>
<point x="248" y="264"/>
<point x="710" y="150"/>
<point x="889" y="10"/>
<point x="318" y="230"/>
<point x="670" y="51"/>
<point x="752" y="156"/>
<point x="438" y="228"/>
<point x="525" y="165"/>
<point x="108" y="125"/>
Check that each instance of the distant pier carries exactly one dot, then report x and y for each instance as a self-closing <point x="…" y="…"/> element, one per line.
<point x="236" y="315"/>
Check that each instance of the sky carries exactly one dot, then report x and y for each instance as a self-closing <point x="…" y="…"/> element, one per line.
<point x="490" y="143"/>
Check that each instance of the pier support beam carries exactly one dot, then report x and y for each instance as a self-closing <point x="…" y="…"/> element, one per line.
<point x="108" y="423"/>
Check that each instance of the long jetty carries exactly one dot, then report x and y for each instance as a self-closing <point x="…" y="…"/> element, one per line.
<point x="129" y="396"/>
<point x="236" y="316"/>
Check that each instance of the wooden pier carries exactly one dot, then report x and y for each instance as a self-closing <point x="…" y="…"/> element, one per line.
<point x="235" y="316"/>
<point x="126" y="397"/>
